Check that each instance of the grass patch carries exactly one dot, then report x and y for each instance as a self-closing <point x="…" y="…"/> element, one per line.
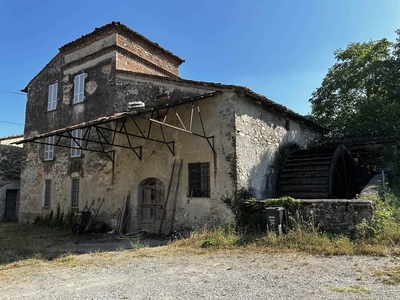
<point x="296" y="240"/>
<point x="217" y="237"/>
<point x="356" y="289"/>
<point x="390" y="275"/>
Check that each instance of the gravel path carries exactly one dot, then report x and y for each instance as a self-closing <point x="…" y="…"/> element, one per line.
<point x="215" y="275"/>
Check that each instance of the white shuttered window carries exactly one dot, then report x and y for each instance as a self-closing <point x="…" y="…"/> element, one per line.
<point x="52" y="98"/>
<point x="79" y="87"/>
<point x="49" y="148"/>
<point x="76" y="142"/>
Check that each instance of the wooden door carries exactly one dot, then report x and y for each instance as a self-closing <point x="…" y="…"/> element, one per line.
<point x="153" y="200"/>
<point x="11" y="205"/>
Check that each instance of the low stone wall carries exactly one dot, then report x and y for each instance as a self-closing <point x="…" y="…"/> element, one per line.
<point x="336" y="215"/>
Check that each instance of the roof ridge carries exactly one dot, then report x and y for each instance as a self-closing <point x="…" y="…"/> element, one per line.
<point x="118" y="26"/>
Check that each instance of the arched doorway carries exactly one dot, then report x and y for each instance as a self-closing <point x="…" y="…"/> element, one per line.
<point x="152" y="202"/>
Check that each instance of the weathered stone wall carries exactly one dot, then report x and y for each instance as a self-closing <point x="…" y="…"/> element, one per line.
<point x="100" y="178"/>
<point x="10" y="163"/>
<point x="36" y="116"/>
<point x="259" y="135"/>
<point x="10" y="169"/>
<point x="98" y="101"/>
<point x="127" y="63"/>
<point x="150" y="54"/>
<point x="336" y="215"/>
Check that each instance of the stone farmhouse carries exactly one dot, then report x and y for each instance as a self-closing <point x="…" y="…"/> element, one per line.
<point x="109" y="122"/>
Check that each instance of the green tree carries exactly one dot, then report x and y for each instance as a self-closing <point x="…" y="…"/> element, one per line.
<point x="360" y="95"/>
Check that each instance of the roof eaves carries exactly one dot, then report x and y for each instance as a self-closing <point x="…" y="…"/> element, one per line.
<point x="10" y="137"/>
<point x="104" y="119"/>
<point x="235" y="88"/>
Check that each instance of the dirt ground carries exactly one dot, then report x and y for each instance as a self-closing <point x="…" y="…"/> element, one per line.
<point x="155" y="273"/>
<point x="149" y="269"/>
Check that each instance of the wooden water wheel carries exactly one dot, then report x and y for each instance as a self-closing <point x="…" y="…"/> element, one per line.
<point x="319" y="174"/>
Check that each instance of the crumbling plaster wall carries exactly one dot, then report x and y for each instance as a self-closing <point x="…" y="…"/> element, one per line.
<point x="93" y="169"/>
<point x="259" y="135"/>
<point x="99" y="92"/>
<point x="99" y="101"/>
<point x="10" y="168"/>
<point x="157" y="161"/>
<point x="100" y="178"/>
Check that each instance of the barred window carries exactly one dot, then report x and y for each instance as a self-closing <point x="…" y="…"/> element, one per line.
<point x="47" y="193"/>
<point x="199" y="179"/>
<point x="74" y="192"/>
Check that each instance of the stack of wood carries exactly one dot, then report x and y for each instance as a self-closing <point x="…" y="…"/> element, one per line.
<point x="124" y="216"/>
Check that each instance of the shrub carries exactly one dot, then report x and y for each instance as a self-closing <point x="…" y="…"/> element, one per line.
<point x="250" y="214"/>
<point x="58" y="220"/>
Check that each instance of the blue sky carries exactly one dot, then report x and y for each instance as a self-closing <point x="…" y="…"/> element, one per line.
<point x="281" y="49"/>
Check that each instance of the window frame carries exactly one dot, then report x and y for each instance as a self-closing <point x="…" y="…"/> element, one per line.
<point x="52" y="97"/>
<point x="47" y="185"/>
<point x="76" y="143"/>
<point x="74" y="193"/>
<point x="79" y="88"/>
<point x="199" y="180"/>
<point x="49" y="148"/>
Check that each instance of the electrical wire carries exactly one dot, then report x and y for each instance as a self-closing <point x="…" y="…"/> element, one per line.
<point x="12" y="123"/>
<point x="18" y="93"/>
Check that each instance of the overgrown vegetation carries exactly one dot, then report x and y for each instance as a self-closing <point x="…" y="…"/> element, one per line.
<point x="384" y="228"/>
<point x="378" y="236"/>
<point x="58" y="220"/>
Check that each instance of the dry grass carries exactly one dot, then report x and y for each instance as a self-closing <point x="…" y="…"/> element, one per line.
<point x="390" y="275"/>
<point x="19" y="241"/>
<point x="25" y="245"/>
<point x="356" y="289"/>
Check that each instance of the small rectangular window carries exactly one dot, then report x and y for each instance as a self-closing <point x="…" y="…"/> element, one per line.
<point x="287" y="125"/>
<point x="199" y="179"/>
<point x="52" y="97"/>
<point x="49" y="148"/>
<point x="74" y="192"/>
<point x="79" y="87"/>
<point x="47" y="193"/>
<point x="76" y="143"/>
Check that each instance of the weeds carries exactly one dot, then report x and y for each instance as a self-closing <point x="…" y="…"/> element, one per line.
<point x="391" y="275"/>
<point x="351" y="289"/>
<point x="384" y="228"/>
<point x="59" y="220"/>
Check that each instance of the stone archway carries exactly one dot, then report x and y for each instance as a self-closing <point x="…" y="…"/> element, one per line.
<point x="152" y="204"/>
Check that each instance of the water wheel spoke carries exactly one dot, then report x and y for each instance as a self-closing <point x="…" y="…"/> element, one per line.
<point x="340" y="179"/>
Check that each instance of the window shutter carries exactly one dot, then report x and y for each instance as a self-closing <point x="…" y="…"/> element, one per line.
<point x="76" y="89"/>
<point x="52" y="97"/>
<point x="75" y="145"/>
<point x="49" y="148"/>
<point x="55" y="90"/>
<point x="79" y="86"/>
<point x="49" y="99"/>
